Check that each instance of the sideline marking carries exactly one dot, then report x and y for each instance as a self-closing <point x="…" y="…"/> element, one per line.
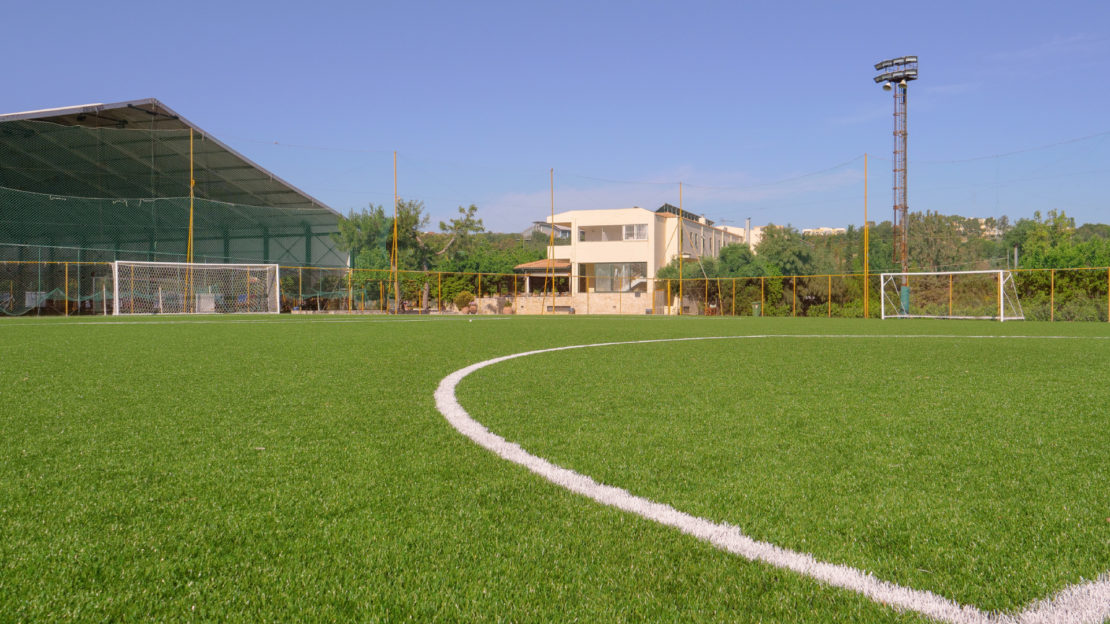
<point x="1084" y="603"/>
<point x="180" y="320"/>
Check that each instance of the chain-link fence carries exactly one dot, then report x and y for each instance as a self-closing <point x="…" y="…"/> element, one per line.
<point x="60" y="287"/>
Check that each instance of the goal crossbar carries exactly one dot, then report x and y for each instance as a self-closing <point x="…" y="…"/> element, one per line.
<point x="897" y="296"/>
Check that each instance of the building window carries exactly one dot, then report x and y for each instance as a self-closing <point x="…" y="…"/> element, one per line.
<point x="620" y="276"/>
<point x="635" y="232"/>
<point x="581" y="235"/>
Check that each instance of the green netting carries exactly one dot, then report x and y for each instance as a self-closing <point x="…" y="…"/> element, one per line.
<point x="101" y="194"/>
<point x="157" y="230"/>
<point x="55" y="288"/>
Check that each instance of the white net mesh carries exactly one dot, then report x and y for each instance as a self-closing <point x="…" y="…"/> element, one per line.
<point x="181" y="288"/>
<point x="951" y="294"/>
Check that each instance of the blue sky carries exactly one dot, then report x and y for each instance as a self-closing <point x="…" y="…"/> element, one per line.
<point x="761" y="109"/>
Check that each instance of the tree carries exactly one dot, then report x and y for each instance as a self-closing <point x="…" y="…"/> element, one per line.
<point x="783" y="248"/>
<point x="462" y="232"/>
<point x="367" y="229"/>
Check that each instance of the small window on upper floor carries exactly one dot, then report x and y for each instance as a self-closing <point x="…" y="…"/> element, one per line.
<point x="635" y="232"/>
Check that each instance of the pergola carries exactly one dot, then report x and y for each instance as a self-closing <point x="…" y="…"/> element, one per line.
<point x="543" y="269"/>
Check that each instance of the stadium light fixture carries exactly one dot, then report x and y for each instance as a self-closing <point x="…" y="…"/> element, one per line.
<point x="896" y="74"/>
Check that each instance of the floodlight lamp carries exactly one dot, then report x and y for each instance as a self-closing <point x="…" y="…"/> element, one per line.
<point x="887" y="86"/>
<point x="902" y="83"/>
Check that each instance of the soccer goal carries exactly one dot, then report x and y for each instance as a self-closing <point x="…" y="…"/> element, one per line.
<point x="183" y="288"/>
<point x="951" y="294"/>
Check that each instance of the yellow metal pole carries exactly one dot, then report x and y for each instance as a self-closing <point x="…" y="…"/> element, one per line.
<point x="794" y="295"/>
<point x="1052" y="298"/>
<point x="550" y="269"/>
<point x="192" y="194"/>
<point x="67" y="289"/>
<point x="950" y="295"/>
<point x="189" y="244"/>
<point x="300" y="289"/>
<point x="393" y="265"/>
<point x="866" y="247"/>
<point x="680" y="245"/>
<point x="830" y="296"/>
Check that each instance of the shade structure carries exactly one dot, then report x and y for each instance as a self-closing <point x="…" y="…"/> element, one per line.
<point x="112" y="181"/>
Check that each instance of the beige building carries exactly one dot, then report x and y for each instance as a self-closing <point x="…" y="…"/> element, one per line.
<point x="823" y="231"/>
<point x="620" y="250"/>
<point x="612" y="256"/>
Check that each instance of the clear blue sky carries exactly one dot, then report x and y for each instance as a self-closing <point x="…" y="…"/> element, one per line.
<point x="761" y="109"/>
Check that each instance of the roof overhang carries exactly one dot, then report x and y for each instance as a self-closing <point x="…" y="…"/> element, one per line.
<point x="556" y="267"/>
<point x="229" y="176"/>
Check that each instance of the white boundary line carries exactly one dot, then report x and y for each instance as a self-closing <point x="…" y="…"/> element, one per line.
<point x="149" y="320"/>
<point x="1085" y="603"/>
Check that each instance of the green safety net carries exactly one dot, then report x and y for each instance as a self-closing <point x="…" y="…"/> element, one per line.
<point x="85" y="195"/>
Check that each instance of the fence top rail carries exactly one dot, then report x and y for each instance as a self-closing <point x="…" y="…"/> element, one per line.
<point x="413" y="272"/>
<point x="55" y="262"/>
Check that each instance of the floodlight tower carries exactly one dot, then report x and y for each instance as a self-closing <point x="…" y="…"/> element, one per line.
<point x="896" y="75"/>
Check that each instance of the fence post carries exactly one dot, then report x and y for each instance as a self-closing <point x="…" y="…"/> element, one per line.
<point x="1052" y="298"/>
<point x="794" y="295"/>
<point x="67" y="289"/>
<point x="830" y="295"/>
<point x="762" y="297"/>
<point x="950" y="295"/>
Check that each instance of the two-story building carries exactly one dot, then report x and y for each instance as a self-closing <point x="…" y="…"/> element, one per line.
<point x="618" y="251"/>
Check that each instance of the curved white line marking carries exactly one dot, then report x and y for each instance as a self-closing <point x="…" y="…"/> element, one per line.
<point x="1086" y="603"/>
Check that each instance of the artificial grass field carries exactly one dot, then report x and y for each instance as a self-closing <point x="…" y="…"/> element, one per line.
<point x="292" y="469"/>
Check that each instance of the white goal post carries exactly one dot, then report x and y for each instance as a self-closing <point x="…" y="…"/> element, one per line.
<point x="951" y="295"/>
<point x="184" y="288"/>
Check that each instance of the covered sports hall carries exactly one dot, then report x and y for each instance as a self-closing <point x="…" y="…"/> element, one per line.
<point x="86" y="185"/>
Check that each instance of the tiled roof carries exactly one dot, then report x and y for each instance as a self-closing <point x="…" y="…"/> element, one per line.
<point x="543" y="265"/>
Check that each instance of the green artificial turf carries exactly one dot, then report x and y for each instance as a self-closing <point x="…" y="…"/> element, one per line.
<point x="296" y="469"/>
<point x="973" y="468"/>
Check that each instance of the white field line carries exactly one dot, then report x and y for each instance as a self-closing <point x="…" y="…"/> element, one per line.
<point x="1086" y="603"/>
<point x="437" y="319"/>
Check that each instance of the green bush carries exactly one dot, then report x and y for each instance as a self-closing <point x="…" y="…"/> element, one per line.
<point x="463" y="299"/>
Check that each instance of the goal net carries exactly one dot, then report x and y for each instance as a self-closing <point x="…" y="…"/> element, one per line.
<point x="951" y="294"/>
<point x="183" y="288"/>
